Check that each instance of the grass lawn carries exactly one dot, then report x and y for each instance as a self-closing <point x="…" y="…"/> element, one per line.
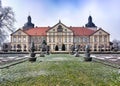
<point x="59" y="70"/>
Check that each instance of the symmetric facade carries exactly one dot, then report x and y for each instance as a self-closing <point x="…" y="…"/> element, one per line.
<point x="61" y="35"/>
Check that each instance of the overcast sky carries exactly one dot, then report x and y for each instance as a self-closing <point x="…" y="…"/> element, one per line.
<point x="105" y="13"/>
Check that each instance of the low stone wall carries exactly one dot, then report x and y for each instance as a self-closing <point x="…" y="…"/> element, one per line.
<point x="64" y="52"/>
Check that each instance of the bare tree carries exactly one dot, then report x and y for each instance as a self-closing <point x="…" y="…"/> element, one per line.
<point x="6" y="22"/>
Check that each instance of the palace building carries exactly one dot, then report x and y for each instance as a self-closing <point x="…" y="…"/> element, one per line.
<point x="60" y="35"/>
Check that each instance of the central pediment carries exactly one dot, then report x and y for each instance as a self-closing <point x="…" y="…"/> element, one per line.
<point x="59" y="27"/>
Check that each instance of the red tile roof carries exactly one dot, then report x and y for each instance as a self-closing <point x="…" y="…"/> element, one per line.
<point x="38" y="31"/>
<point x="41" y="31"/>
<point x="81" y="31"/>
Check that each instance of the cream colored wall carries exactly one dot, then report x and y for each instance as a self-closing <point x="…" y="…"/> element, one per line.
<point x="66" y="37"/>
<point x="37" y="41"/>
<point x="20" y="34"/>
<point x="100" y="40"/>
<point x="82" y="41"/>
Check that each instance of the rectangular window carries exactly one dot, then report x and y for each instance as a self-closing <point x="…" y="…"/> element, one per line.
<point x="75" y="39"/>
<point x="65" y="34"/>
<point x="83" y="39"/>
<point x="53" y="34"/>
<point x="86" y="40"/>
<point x="69" y="46"/>
<point x="50" y="39"/>
<point x="65" y="38"/>
<point x="79" y="39"/>
<point x="39" y="39"/>
<point x="24" y="38"/>
<point x="105" y="38"/>
<point x="69" y="39"/>
<point x="59" y="39"/>
<point x="53" y="38"/>
<point x="95" y="38"/>
<point x="100" y="40"/>
<point x="14" y="38"/>
<point x="53" y="46"/>
<point x="19" y="39"/>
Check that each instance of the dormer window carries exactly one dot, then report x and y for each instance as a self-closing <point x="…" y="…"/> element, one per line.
<point x="59" y="29"/>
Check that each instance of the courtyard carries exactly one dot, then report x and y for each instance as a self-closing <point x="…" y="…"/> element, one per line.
<point x="60" y="70"/>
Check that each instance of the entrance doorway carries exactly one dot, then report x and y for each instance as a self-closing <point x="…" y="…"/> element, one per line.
<point x="56" y="48"/>
<point x="60" y="47"/>
<point x="63" y="47"/>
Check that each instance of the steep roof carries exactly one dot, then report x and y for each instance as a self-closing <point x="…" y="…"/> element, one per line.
<point x="81" y="31"/>
<point x="41" y="31"/>
<point x="38" y="31"/>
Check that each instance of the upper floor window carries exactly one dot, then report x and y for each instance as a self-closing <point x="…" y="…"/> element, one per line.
<point x="53" y="34"/>
<point x="53" y="38"/>
<point x="79" y="39"/>
<point x="50" y="34"/>
<point x="65" y="34"/>
<point x="50" y="39"/>
<point x="14" y="38"/>
<point x="59" y="29"/>
<point x="84" y="39"/>
<point x="24" y="38"/>
<point x="105" y="38"/>
<point x="69" y="39"/>
<point x="100" y="40"/>
<point x="60" y="39"/>
<point x="19" y="38"/>
<point x="65" y="38"/>
<point x="95" y="38"/>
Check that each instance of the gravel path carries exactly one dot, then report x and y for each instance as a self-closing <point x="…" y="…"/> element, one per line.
<point x="5" y="58"/>
<point x="112" y="58"/>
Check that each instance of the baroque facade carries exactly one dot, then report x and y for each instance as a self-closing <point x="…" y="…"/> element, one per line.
<point x="60" y="35"/>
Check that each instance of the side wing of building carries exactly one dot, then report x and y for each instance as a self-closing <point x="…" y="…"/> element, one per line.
<point x="100" y="40"/>
<point x="19" y="41"/>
